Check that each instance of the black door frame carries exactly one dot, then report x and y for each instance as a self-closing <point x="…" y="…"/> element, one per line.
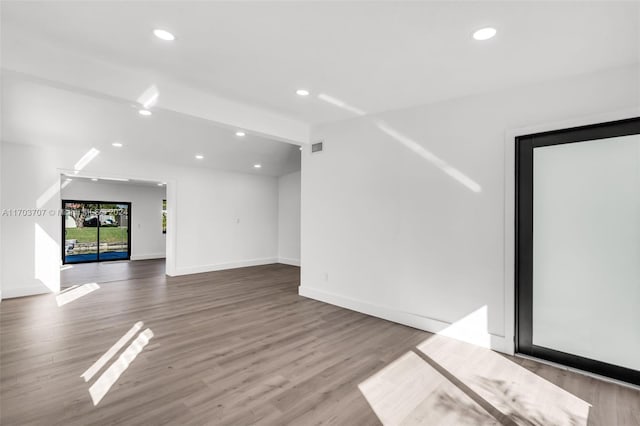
<point x="64" y="216"/>
<point x="524" y="146"/>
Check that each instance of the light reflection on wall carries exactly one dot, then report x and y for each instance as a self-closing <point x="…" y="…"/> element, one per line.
<point x="149" y="97"/>
<point x="46" y="268"/>
<point x="340" y="104"/>
<point x="430" y="157"/>
<point x="86" y="159"/>
<point x="471" y="329"/>
<point x="409" y="143"/>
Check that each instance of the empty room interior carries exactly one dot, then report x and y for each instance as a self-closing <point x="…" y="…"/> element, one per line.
<point x="320" y="212"/>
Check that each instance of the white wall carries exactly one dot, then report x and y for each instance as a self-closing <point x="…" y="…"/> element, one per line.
<point x="216" y="219"/>
<point x="30" y="251"/>
<point x="147" y="239"/>
<point x="403" y="212"/>
<point x="1" y="221"/>
<point x="225" y="220"/>
<point x="289" y="193"/>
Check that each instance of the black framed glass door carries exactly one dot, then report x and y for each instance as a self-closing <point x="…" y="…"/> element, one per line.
<point x="95" y="231"/>
<point x="578" y="248"/>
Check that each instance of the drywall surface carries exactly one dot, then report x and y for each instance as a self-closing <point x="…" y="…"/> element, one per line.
<point x="289" y="193"/>
<point x="403" y="213"/>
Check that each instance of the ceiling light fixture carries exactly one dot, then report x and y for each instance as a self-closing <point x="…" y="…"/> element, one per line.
<point x="240" y="133"/>
<point x="257" y="166"/>
<point x="163" y="35"/>
<point x="144" y="112"/>
<point x="199" y="156"/>
<point x="302" y="92"/>
<point x="117" y="144"/>
<point x="484" y="33"/>
<point x="94" y="179"/>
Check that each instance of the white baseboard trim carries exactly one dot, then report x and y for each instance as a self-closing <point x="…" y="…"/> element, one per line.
<point x="148" y="256"/>
<point x="32" y="290"/>
<point x="431" y="325"/>
<point x="289" y="261"/>
<point x="187" y="270"/>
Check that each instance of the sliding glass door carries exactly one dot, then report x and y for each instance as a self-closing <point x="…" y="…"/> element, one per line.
<point x="80" y="234"/>
<point x="95" y="231"/>
<point x="578" y="248"/>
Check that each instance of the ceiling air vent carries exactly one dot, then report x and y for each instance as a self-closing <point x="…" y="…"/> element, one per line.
<point x="316" y="147"/>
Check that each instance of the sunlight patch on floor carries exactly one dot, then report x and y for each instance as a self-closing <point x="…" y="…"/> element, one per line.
<point x="106" y="357"/>
<point x="101" y="386"/>
<point x="74" y="293"/>
<point x="518" y="393"/>
<point x="447" y="381"/>
<point x="410" y="392"/>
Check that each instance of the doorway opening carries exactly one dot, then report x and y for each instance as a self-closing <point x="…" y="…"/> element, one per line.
<point x="125" y="236"/>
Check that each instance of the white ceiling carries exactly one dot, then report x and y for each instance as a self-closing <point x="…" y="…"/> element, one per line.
<point x="36" y="113"/>
<point x="372" y="55"/>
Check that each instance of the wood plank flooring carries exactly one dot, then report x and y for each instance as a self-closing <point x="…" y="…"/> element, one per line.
<point x="240" y="347"/>
<point x="79" y="273"/>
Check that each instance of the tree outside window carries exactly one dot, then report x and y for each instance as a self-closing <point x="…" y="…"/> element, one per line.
<point x="164" y="216"/>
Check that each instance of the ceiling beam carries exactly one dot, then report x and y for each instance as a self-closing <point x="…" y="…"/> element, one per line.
<point x="50" y="62"/>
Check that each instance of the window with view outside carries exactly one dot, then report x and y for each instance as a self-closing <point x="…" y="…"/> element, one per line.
<point x="164" y="216"/>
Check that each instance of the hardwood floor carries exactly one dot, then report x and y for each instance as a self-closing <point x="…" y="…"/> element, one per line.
<point x="102" y="272"/>
<point x="240" y="347"/>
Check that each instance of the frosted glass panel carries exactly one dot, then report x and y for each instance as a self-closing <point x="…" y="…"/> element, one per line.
<point x="586" y="249"/>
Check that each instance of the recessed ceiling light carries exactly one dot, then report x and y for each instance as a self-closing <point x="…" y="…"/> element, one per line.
<point x="199" y="156"/>
<point x="144" y="112"/>
<point x="117" y="144"/>
<point x="163" y="35"/>
<point x="302" y="92"/>
<point x="240" y="133"/>
<point x="94" y="179"/>
<point x="484" y="33"/>
<point x="257" y="166"/>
